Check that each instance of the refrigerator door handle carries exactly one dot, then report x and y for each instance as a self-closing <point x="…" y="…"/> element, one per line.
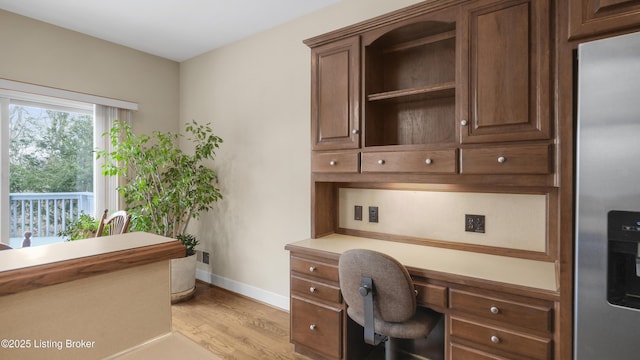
<point x="638" y="261"/>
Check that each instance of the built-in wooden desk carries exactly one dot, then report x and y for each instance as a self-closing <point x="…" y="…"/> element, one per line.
<point x="106" y="297"/>
<point x="494" y="306"/>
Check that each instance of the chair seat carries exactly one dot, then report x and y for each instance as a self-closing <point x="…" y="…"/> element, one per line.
<point x="419" y="326"/>
<point x="381" y="297"/>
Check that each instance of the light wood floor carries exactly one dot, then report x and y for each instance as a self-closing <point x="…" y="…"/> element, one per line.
<point x="232" y="326"/>
<point x="236" y="327"/>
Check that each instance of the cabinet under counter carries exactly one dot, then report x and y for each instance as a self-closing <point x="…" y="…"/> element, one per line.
<point x="490" y="302"/>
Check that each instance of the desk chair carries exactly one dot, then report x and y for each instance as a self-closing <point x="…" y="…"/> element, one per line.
<point x="380" y="296"/>
<point x="117" y="223"/>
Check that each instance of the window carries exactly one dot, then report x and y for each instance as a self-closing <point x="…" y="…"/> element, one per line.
<point x="49" y="175"/>
<point x="50" y="168"/>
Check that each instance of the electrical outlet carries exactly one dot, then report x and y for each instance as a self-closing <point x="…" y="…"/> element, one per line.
<point x="357" y="212"/>
<point x="373" y="214"/>
<point x="474" y="223"/>
<point x="205" y="257"/>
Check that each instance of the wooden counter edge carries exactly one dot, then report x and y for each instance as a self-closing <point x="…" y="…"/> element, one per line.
<point x="313" y="252"/>
<point x="15" y="281"/>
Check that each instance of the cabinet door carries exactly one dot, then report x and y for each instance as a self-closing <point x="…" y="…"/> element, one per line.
<point x="317" y="327"/>
<point x="505" y="71"/>
<point x="595" y="17"/>
<point x="335" y="95"/>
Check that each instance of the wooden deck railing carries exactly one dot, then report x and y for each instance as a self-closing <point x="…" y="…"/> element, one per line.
<point x="45" y="214"/>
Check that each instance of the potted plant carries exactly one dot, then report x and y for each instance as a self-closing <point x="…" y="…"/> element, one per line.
<point x="84" y="227"/>
<point x="164" y="187"/>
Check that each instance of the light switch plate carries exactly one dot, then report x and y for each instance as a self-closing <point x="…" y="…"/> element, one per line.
<point x="357" y="212"/>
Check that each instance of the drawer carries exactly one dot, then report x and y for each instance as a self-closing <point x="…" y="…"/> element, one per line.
<point x="497" y="309"/>
<point x="315" y="269"/>
<point x="419" y="162"/>
<point x="533" y="159"/>
<point x="335" y="162"/>
<point x="317" y="327"/>
<point x="499" y="340"/>
<point x="315" y="290"/>
<point x="430" y="295"/>
<point x="459" y="352"/>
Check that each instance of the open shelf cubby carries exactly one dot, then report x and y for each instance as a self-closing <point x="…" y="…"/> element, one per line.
<point x="410" y="85"/>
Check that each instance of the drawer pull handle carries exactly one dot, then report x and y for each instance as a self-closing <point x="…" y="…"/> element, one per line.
<point x="463" y="122"/>
<point x="494" y="310"/>
<point x="495" y="339"/>
<point x="312" y="327"/>
<point x="333" y="163"/>
<point x="312" y="268"/>
<point x="312" y="289"/>
<point x="354" y="131"/>
<point x="428" y="161"/>
<point x="380" y="162"/>
<point x="501" y="159"/>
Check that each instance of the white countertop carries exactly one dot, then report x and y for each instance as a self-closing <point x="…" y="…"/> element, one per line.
<point x="15" y="259"/>
<point x="524" y="272"/>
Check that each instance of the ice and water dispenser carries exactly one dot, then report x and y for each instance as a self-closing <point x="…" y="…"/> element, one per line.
<point x="623" y="275"/>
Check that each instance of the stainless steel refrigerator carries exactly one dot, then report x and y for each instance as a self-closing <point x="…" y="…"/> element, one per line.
<point x="607" y="252"/>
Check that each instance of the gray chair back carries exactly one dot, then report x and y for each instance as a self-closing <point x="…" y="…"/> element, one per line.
<point x="394" y="293"/>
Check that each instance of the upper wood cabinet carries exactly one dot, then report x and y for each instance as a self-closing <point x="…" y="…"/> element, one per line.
<point x="409" y="82"/>
<point x="444" y="77"/>
<point x="505" y="82"/>
<point x="597" y="17"/>
<point x="335" y="95"/>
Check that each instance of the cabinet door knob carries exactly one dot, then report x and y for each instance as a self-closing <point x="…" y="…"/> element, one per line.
<point x="312" y="327"/>
<point x="494" y="310"/>
<point x="312" y="289"/>
<point x="312" y="268"/>
<point x="463" y="122"/>
<point x="355" y="131"/>
<point x="428" y="161"/>
<point x="495" y="339"/>
<point x="380" y="162"/>
<point x="501" y="159"/>
<point x="333" y="163"/>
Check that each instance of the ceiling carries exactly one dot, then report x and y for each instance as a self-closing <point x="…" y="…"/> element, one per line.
<point x="173" y="29"/>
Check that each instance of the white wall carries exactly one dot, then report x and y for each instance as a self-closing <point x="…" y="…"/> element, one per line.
<point x="47" y="55"/>
<point x="256" y="93"/>
<point x="512" y="221"/>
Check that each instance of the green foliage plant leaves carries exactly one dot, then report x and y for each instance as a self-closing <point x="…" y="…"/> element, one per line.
<point x="164" y="187"/>
<point x="84" y="227"/>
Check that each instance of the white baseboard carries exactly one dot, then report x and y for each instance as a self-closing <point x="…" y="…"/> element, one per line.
<point x="251" y="291"/>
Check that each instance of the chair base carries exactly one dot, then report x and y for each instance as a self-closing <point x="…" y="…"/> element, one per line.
<point x="431" y="347"/>
<point x="391" y="349"/>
